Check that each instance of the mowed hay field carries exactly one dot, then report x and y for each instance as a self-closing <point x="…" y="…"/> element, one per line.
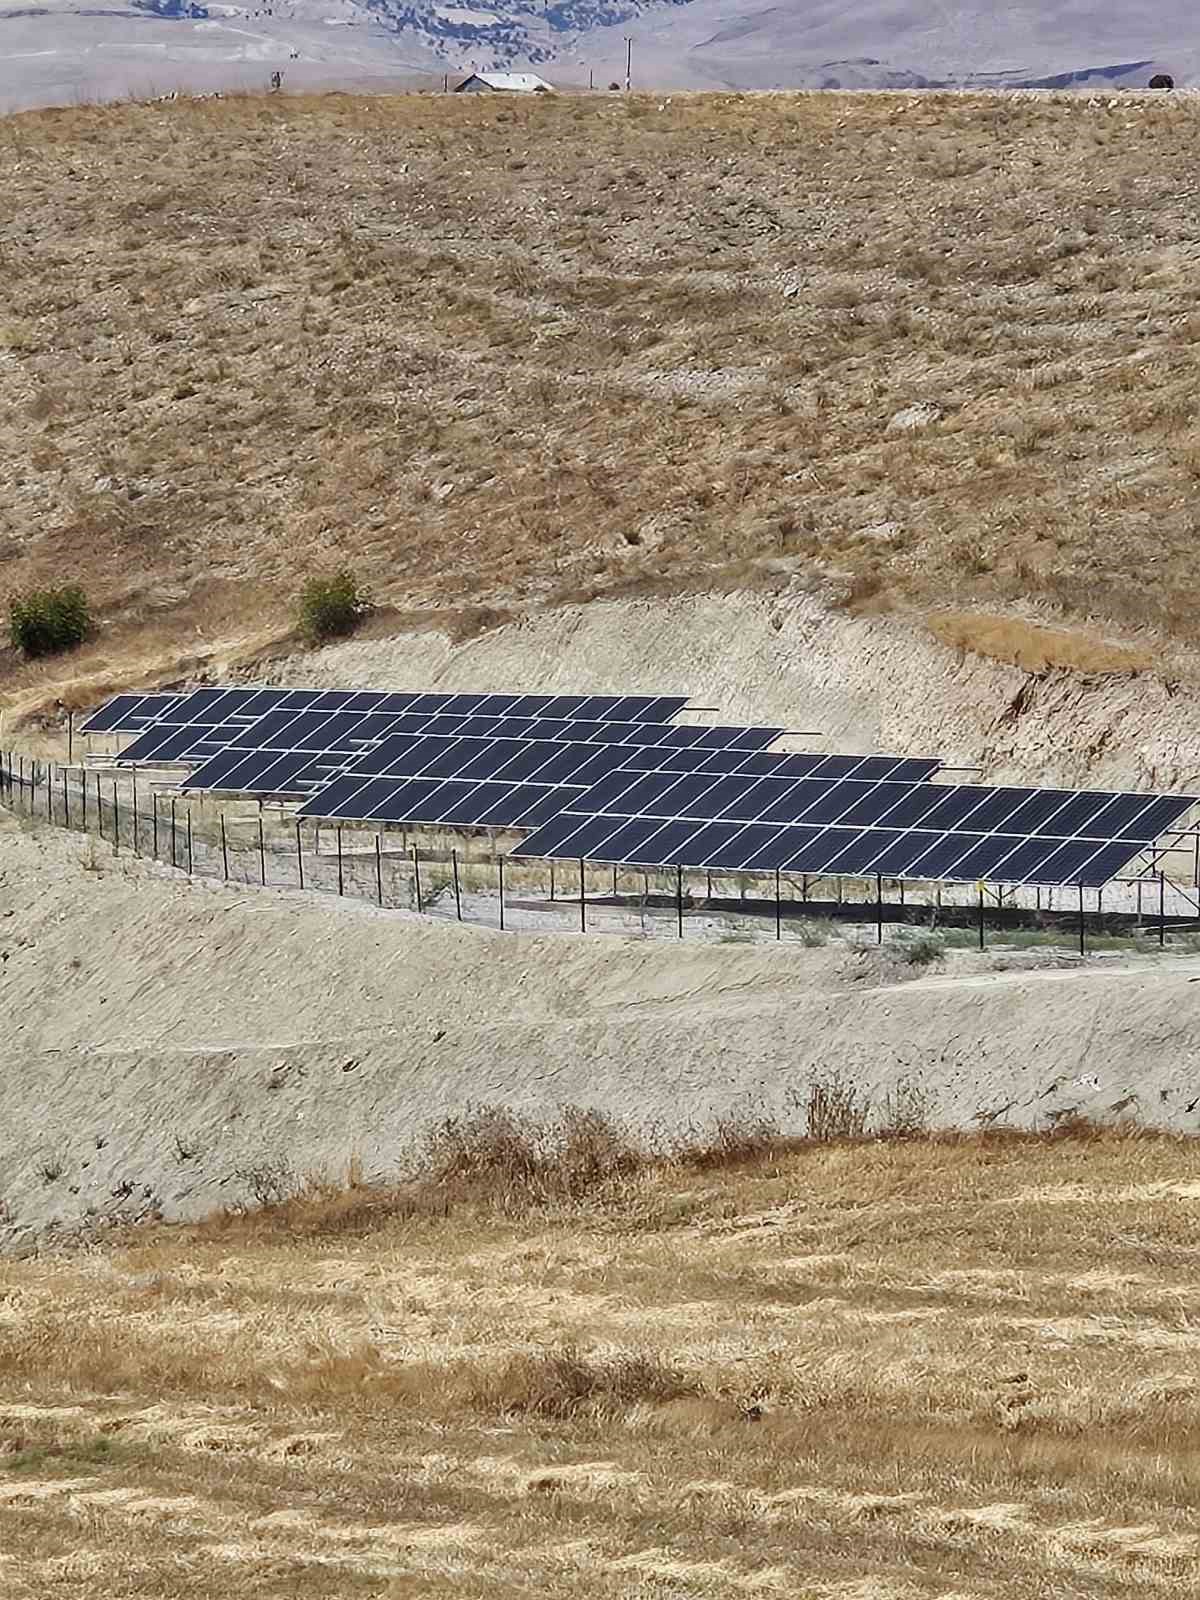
<point x="499" y="353"/>
<point x="875" y="1371"/>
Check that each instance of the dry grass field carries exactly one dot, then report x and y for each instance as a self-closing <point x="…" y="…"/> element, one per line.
<point x="497" y="354"/>
<point x="877" y="1371"/>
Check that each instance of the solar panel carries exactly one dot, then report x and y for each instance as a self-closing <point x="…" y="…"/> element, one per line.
<point x="450" y="802"/>
<point x="858" y="829"/>
<point x="128" y="713"/>
<point x="289" y="719"/>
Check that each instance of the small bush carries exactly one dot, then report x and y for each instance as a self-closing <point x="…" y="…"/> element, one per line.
<point x="836" y="1111"/>
<point x="515" y="1162"/>
<point x="906" y="1111"/>
<point x="564" y="1383"/>
<point x="736" y="1139"/>
<point x="332" y="606"/>
<point x="45" y="622"/>
<point x="924" y="950"/>
<point x="271" y="1181"/>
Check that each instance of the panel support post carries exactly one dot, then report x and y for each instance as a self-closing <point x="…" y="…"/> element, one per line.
<point x="262" y="849"/>
<point x="379" y="869"/>
<point x="982" y="928"/>
<point x="457" y="887"/>
<point x="500" y="865"/>
<point x="416" y="855"/>
<point x="778" y="909"/>
<point x="341" y="876"/>
<point x="173" y="850"/>
<point x="552" y="880"/>
<point x="878" y="908"/>
<point x="299" y="856"/>
<point x="224" y="850"/>
<point x="189" y="838"/>
<point x="679" y="898"/>
<point x="116" y="817"/>
<point x="1082" y="934"/>
<point x="582" y="902"/>
<point x="1162" y="909"/>
<point x="137" y="848"/>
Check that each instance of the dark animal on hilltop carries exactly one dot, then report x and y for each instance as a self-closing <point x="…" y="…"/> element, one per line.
<point x="1162" y="80"/>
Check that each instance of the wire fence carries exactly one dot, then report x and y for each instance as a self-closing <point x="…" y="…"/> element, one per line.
<point x="264" y="846"/>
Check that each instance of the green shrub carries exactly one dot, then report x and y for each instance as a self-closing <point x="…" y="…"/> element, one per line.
<point x="923" y="950"/>
<point x="45" y="622"/>
<point x="332" y="606"/>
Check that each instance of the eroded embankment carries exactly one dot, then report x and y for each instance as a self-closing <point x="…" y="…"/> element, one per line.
<point x="862" y="683"/>
<point x="163" y="1039"/>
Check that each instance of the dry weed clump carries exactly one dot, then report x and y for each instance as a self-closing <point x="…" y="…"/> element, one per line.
<point x="566" y="1383"/>
<point x="515" y="1162"/>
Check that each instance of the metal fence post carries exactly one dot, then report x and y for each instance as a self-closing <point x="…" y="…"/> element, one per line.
<point x="582" y="901"/>
<point x="50" y="791"/>
<point x="1162" y="909"/>
<point x="341" y="879"/>
<point x="1082" y="936"/>
<point x="116" y="822"/>
<point x="679" y="899"/>
<point x="878" y="908"/>
<point x="262" y="850"/>
<point x="500" y="864"/>
<point x="982" y="934"/>
<point x="378" y="869"/>
<point x="457" y="890"/>
<point x="416" y="855"/>
<point x="778" y="909"/>
<point x="154" y="823"/>
<point x="189" y="838"/>
<point x="224" y="849"/>
<point x="299" y="857"/>
<point x="174" y="851"/>
<point x="137" y="848"/>
<point x="66" y="799"/>
<point x="99" y="808"/>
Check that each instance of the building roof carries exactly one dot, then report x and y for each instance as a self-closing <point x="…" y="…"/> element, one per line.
<point x="513" y="82"/>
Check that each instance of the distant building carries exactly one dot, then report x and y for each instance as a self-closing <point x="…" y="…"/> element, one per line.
<point x="504" y="83"/>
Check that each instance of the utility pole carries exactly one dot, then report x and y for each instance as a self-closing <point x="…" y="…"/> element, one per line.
<point x="628" y="63"/>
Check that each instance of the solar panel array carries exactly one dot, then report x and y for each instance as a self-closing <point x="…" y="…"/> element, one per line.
<point x="211" y="709"/>
<point x="960" y="834"/>
<point x="494" y="783"/>
<point x="612" y="779"/>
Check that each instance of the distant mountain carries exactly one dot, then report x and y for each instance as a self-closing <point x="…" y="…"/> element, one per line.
<point x="54" y="51"/>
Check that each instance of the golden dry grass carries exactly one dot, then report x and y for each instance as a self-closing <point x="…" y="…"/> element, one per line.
<point x="878" y="1372"/>
<point x="499" y="354"/>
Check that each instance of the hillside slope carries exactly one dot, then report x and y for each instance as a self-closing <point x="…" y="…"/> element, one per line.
<point x="499" y="355"/>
